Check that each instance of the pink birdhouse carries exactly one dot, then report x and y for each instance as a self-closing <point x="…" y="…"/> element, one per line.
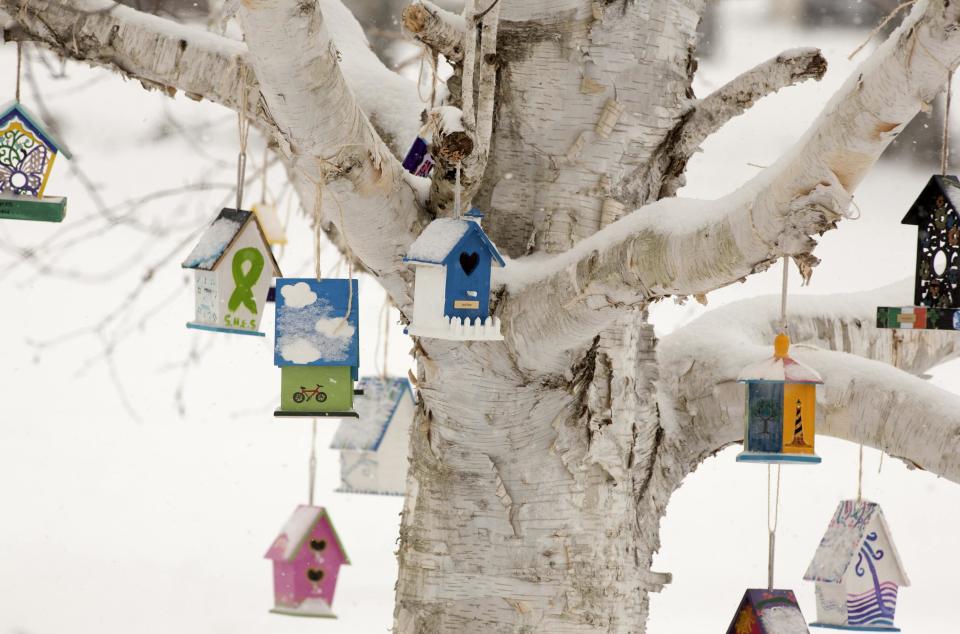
<point x="306" y="555"/>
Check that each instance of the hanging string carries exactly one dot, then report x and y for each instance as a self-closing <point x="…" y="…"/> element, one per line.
<point x="860" y="476"/>
<point x="945" y="141"/>
<point x="772" y="523"/>
<point x="456" y="194"/>
<point x="783" y="295"/>
<point x="880" y="26"/>
<point x="19" y="60"/>
<point x="263" y="173"/>
<point x="880" y="467"/>
<point x="313" y="461"/>
<point x="317" y="231"/>
<point x="427" y="55"/>
<point x="243" y="129"/>
<point x="385" y="315"/>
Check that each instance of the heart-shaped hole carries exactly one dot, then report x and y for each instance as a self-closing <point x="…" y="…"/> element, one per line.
<point x="318" y="544"/>
<point x="469" y="262"/>
<point x="314" y="574"/>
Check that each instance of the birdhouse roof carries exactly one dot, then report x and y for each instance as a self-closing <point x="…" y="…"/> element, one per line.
<point x="849" y="527"/>
<point x="779" y="370"/>
<point x="947" y="186"/>
<point x="298" y="528"/>
<point x="441" y="238"/>
<point x="380" y="401"/>
<point x="773" y="611"/>
<point x="313" y="325"/>
<point x="16" y="110"/>
<point x="220" y="235"/>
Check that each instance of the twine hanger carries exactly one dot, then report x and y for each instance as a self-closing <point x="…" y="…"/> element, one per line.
<point x="772" y="522"/>
<point x="19" y="59"/>
<point x="243" y="131"/>
<point x="312" y="477"/>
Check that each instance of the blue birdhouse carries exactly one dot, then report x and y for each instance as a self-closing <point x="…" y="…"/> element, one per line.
<point x="454" y="259"/>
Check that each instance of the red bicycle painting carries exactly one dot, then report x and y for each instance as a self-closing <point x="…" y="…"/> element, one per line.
<point x="305" y="395"/>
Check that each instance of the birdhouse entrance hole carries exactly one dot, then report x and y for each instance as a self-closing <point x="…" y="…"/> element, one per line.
<point x="469" y="262"/>
<point x="18" y="180"/>
<point x="314" y="574"/>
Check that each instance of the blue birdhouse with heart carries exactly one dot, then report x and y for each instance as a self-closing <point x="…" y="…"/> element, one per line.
<point x="454" y="259"/>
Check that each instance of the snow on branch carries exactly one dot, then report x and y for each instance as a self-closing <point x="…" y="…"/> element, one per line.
<point x="157" y="52"/>
<point x="734" y="98"/>
<point x="686" y="247"/>
<point x="438" y="29"/>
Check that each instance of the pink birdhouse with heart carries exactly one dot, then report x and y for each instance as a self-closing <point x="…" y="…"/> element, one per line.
<point x="306" y="555"/>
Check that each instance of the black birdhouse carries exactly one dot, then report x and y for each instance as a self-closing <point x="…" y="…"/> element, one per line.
<point x="936" y="291"/>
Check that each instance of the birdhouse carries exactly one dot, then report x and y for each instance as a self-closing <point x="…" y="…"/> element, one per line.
<point x="233" y="266"/>
<point x="936" y="291"/>
<point x="374" y="449"/>
<point x="269" y="221"/>
<point x="453" y="260"/>
<point x="857" y="571"/>
<point x="768" y="612"/>
<point x="27" y="152"/>
<point x="418" y="160"/>
<point x="306" y="556"/>
<point x="317" y="346"/>
<point x="781" y="405"/>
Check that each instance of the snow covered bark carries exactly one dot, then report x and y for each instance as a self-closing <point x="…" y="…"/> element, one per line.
<point x="541" y="465"/>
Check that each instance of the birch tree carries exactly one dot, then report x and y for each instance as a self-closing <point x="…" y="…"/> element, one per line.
<point x="540" y="466"/>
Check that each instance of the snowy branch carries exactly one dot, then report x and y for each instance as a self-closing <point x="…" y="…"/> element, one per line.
<point x="437" y="28"/>
<point x="734" y="98"/>
<point x="677" y="247"/>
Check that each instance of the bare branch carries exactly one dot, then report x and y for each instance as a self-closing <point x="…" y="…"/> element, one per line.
<point x="734" y="98"/>
<point x="436" y="28"/>
<point x="676" y="247"/>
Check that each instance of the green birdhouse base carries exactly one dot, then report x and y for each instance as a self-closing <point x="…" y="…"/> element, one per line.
<point x="918" y="318"/>
<point x="309" y="390"/>
<point x="46" y="209"/>
<point x="766" y="457"/>
<point x="233" y="331"/>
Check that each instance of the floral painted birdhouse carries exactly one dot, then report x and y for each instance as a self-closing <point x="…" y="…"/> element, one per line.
<point x="453" y="260"/>
<point x="768" y="612"/>
<point x="317" y="346"/>
<point x="306" y="556"/>
<point x="780" y="408"/>
<point x="936" y="293"/>
<point x="857" y="571"/>
<point x="233" y="266"/>
<point x="27" y="153"/>
<point x="374" y="449"/>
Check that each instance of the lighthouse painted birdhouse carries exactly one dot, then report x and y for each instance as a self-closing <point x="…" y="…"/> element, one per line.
<point x="233" y="266"/>
<point x="768" y="612"/>
<point x="453" y="260"/>
<point x="27" y="153"/>
<point x="857" y="571"/>
<point x="374" y="449"/>
<point x="936" y="293"/>
<point x="780" y="408"/>
<point x="306" y="556"/>
<point x="317" y="346"/>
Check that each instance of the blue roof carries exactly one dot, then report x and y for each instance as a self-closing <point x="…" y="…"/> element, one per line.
<point x="15" y="109"/>
<point x="443" y="236"/>
<point x="380" y="401"/>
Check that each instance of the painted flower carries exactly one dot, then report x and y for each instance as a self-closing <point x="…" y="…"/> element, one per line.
<point x="27" y="176"/>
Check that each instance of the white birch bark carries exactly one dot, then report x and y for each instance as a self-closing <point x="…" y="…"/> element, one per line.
<point x="541" y="465"/>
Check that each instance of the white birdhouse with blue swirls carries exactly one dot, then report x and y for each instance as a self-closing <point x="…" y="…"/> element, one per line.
<point x="454" y="259"/>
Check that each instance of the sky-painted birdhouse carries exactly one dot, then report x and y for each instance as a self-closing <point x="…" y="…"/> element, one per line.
<point x="453" y="260"/>
<point x="768" y="612"/>
<point x="936" y="291"/>
<point x="857" y="571"/>
<point x="27" y="153"/>
<point x="780" y="408"/>
<point x="233" y="266"/>
<point x="306" y="556"/>
<point x="374" y="449"/>
<point x="317" y="346"/>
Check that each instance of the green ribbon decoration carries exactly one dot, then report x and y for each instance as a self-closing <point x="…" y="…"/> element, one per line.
<point x="243" y="293"/>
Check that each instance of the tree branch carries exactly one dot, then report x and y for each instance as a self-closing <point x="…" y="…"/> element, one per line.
<point x="734" y="98"/>
<point x="676" y="247"/>
<point x="438" y="29"/>
<point x="297" y="63"/>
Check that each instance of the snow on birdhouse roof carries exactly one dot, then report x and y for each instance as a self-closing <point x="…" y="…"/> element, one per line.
<point x="442" y="236"/>
<point x="220" y="235"/>
<point x="845" y="535"/>
<point x="15" y="109"/>
<point x="784" y="370"/>
<point x="376" y="408"/>
<point x="948" y="186"/>
<point x="296" y="531"/>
